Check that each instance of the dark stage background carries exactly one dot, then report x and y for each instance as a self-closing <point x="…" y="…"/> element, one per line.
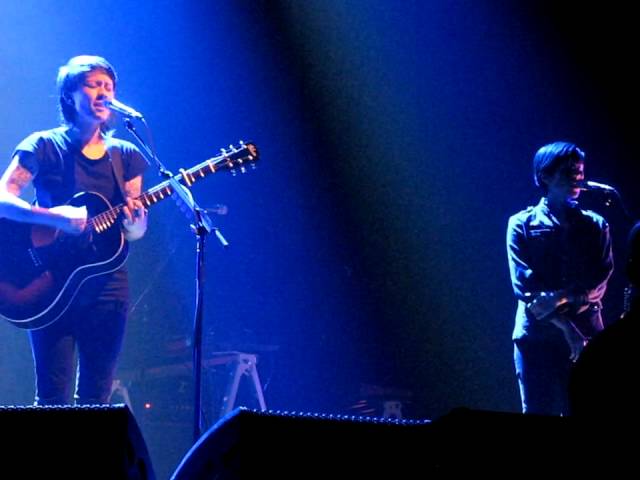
<point x="367" y="256"/>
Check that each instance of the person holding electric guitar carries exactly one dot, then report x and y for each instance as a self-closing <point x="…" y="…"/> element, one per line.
<point x="75" y="168"/>
<point x="601" y="382"/>
<point x="560" y="261"/>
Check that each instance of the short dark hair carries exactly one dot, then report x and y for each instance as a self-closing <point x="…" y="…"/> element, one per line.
<point x="549" y="158"/>
<point x="72" y="74"/>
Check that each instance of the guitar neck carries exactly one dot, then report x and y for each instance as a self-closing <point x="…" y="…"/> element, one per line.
<point x="229" y="161"/>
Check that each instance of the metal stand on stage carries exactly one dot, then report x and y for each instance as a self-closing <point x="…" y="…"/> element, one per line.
<point x="201" y="226"/>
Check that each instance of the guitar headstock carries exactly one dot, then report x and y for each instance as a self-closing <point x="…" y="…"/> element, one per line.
<point x="232" y="158"/>
<point x="239" y="156"/>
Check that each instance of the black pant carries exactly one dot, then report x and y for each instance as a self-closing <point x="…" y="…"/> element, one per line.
<point x="97" y="330"/>
<point x="542" y="368"/>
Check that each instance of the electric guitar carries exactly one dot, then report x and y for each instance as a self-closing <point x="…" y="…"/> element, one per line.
<point x="42" y="268"/>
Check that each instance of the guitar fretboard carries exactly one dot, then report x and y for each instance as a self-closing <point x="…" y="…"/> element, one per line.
<point x="237" y="158"/>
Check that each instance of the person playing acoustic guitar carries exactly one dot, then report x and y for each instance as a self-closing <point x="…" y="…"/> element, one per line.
<point x="83" y="306"/>
<point x="560" y="261"/>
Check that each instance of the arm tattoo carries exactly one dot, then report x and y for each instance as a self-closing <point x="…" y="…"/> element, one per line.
<point x="16" y="178"/>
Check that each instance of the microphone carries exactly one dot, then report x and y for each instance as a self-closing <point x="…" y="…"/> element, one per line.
<point x="218" y="209"/>
<point x="589" y="185"/>
<point x="123" y="109"/>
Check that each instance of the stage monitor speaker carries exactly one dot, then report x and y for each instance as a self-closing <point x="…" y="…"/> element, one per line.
<point x="253" y="444"/>
<point x="501" y="443"/>
<point x="93" y="441"/>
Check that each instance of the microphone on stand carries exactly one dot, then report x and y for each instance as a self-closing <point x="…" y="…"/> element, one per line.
<point x="123" y="109"/>
<point x="608" y="192"/>
<point x="589" y="185"/>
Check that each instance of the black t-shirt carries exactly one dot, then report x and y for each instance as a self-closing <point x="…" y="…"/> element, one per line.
<point x="62" y="170"/>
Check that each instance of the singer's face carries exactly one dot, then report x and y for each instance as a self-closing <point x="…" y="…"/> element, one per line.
<point x="564" y="182"/>
<point x="90" y="96"/>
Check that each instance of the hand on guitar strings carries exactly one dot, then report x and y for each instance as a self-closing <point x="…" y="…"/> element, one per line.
<point x="575" y="340"/>
<point x="559" y="301"/>
<point x="70" y="219"/>
<point x="135" y="219"/>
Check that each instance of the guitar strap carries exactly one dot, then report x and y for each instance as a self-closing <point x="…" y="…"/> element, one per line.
<point x="115" y="158"/>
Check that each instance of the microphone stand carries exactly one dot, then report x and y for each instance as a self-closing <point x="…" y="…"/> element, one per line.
<point x="201" y="226"/>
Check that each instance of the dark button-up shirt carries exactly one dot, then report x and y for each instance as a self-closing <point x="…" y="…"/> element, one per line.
<point x="545" y="256"/>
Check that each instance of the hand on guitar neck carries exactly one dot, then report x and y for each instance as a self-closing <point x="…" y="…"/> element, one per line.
<point x="134" y="222"/>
